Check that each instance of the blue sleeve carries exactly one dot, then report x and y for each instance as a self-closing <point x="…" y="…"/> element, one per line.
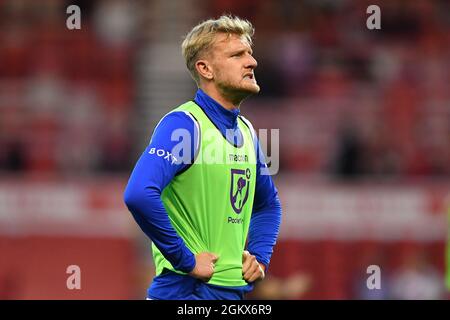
<point x="154" y="170"/>
<point x="266" y="215"/>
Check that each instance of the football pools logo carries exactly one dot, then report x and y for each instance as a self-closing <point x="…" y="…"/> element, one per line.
<point x="240" y="180"/>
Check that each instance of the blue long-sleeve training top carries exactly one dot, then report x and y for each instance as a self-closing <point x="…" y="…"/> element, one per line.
<point x="153" y="173"/>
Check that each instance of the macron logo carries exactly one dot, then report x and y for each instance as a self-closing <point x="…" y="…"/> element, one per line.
<point x="163" y="153"/>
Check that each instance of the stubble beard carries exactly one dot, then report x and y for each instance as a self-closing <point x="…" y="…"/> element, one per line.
<point x="237" y="93"/>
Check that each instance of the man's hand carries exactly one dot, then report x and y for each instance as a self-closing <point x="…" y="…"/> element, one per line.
<point x="204" y="266"/>
<point x="252" y="270"/>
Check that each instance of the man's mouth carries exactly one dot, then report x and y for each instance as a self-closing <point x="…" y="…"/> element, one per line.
<point x="249" y="76"/>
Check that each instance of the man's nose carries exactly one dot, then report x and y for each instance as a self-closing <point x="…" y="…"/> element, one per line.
<point x="252" y="63"/>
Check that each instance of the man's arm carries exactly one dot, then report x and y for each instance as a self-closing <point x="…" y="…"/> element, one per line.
<point x="153" y="172"/>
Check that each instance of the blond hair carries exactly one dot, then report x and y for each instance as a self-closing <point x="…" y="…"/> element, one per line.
<point x="201" y="38"/>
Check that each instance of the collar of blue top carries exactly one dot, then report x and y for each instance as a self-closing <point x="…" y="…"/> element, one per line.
<point x="219" y="115"/>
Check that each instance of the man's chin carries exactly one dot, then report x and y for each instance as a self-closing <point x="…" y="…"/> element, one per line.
<point x="256" y="89"/>
<point x="252" y="89"/>
<point x="237" y="94"/>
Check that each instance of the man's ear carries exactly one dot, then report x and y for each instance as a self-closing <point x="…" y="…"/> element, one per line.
<point x="204" y="69"/>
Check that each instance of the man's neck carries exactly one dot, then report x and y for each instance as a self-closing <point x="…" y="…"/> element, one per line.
<point x="220" y="98"/>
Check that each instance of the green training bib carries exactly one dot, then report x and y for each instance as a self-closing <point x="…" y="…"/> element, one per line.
<point x="210" y="204"/>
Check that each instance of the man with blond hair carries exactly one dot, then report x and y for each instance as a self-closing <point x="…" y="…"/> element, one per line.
<point x="201" y="190"/>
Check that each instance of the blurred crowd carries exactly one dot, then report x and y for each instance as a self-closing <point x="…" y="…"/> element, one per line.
<point x="66" y="96"/>
<point x="339" y="270"/>
<point x="348" y="101"/>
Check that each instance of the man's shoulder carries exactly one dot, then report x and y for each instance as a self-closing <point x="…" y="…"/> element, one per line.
<point x="177" y="118"/>
<point x="245" y="120"/>
<point x="248" y="124"/>
<point x="180" y="113"/>
<point x="185" y="107"/>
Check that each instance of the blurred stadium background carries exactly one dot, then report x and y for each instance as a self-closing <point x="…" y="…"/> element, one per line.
<point x="364" y="119"/>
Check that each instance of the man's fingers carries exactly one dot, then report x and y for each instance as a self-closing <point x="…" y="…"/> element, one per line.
<point x="255" y="272"/>
<point x="255" y="276"/>
<point x="245" y="254"/>
<point x="204" y="266"/>
<point x="246" y="266"/>
<point x="258" y="274"/>
<point x="251" y="270"/>
<point x="214" y="257"/>
<point x="249" y="260"/>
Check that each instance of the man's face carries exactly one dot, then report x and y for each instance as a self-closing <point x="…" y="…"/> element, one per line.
<point x="232" y="66"/>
